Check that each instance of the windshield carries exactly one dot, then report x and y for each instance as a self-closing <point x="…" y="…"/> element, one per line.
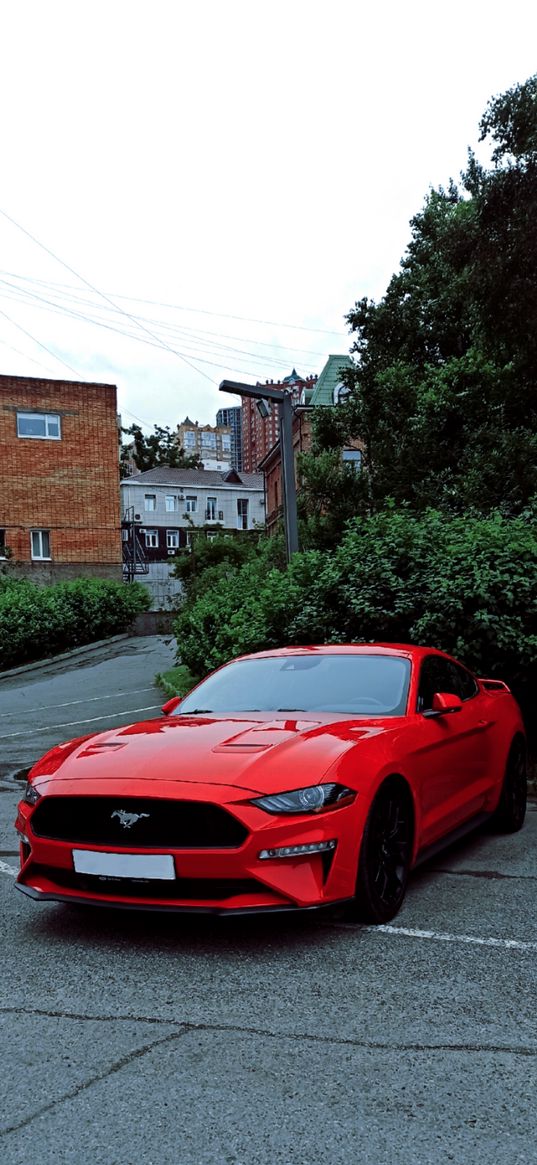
<point x="365" y="685"/>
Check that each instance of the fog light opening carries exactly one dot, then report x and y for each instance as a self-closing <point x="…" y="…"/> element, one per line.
<point x="299" y="851"/>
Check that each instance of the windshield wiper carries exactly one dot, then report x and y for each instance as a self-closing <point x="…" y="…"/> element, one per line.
<point x="290" y="709"/>
<point x="194" y="711"/>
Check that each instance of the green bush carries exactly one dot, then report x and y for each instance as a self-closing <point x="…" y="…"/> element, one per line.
<point x="40" y="621"/>
<point x="465" y="585"/>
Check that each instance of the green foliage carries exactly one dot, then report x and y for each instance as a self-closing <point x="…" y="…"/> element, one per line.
<point x="210" y="559"/>
<point x="177" y="681"/>
<point x="159" y="448"/>
<point x="467" y="585"/>
<point x="444" y="390"/>
<point x="40" y="621"/>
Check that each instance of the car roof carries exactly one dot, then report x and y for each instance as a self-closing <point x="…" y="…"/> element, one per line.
<point x="408" y="650"/>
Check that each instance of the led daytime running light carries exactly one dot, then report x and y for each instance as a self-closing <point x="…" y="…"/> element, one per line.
<point x="298" y="851"/>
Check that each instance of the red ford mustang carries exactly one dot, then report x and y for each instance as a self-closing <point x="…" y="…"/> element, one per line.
<point x="291" y="779"/>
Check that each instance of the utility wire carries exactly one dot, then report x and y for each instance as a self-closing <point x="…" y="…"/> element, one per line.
<point x="62" y="309"/>
<point x="44" y="346"/>
<point x="195" y="310"/>
<point x="166" y="325"/>
<point x="71" y="312"/>
<point x="103" y="296"/>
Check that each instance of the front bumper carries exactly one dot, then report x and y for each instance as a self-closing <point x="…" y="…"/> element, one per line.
<point x="215" y="881"/>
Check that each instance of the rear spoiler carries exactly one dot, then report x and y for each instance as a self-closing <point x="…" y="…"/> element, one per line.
<point x="494" y="685"/>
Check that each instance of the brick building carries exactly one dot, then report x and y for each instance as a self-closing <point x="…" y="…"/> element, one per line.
<point x="328" y="389"/>
<point x="260" y="433"/>
<point x="59" y="479"/>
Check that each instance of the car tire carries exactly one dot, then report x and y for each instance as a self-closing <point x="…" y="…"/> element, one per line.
<point x="511" y="811"/>
<point x="385" y="856"/>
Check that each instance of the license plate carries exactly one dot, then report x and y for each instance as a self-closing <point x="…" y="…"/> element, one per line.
<point x="155" y="866"/>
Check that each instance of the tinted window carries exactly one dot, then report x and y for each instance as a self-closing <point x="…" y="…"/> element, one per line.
<point x="441" y="675"/>
<point x="368" y="685"/>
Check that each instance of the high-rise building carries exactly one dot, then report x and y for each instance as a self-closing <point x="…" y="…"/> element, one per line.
<point x="211" y="443"/>
<point x="232" y="419"/>
<point x="260" y="433"/>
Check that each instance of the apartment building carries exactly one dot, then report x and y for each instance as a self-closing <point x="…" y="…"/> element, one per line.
<point x="162" y="507"/>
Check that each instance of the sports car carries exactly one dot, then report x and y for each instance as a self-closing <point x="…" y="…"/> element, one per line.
<point x="291" y="779"/>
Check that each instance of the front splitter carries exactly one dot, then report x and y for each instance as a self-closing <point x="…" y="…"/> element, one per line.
<point x="223" y="911"/>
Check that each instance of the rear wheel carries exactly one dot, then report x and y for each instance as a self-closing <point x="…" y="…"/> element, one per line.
<point x="385" y="856"/>
<point x="511" y="811"/>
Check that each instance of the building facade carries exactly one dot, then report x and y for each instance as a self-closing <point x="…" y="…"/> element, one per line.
<point x="329" y="389"/>
<point x="59" y="479"/>
<point x="163" y="507"/>
<point x="232" y="419"/>
<point x="261" y="432"/>
<point x="211" y="443"/>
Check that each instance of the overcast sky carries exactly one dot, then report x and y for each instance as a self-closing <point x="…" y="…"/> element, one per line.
<point x="231" y="175"/>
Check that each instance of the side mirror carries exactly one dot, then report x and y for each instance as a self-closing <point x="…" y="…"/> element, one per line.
<point x="443" y="704"/>
<point x="171" y="705"/>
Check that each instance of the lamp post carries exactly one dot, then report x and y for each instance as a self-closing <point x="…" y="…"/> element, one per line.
<point x="285" y="416"/>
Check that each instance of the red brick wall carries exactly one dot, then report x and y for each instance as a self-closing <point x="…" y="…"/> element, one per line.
<point x="70" y="486"/>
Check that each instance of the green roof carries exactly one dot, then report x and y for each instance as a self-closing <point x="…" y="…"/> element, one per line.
<point x="323" y="392"/>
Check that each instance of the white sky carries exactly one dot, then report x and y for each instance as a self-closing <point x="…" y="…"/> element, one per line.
<point x="232" y="159"/>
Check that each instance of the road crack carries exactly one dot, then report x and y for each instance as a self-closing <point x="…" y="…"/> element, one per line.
<point x="186" y="1026"/>
<point x="97" y="1079"/>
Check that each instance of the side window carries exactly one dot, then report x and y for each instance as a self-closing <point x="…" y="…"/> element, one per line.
<point x="437" y="675"/>
<point x="467" y="686"/>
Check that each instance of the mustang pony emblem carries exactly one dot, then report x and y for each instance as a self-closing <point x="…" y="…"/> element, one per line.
<point x="127" y="820"/>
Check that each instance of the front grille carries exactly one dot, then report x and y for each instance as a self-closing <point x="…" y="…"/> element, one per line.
<point x="160" y="824"/>
<point x="184" y="889"/>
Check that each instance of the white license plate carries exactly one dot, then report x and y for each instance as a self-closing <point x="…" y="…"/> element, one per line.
<point x="157" y="866"/>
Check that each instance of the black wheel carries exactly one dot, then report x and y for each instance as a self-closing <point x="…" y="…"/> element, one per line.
<point x="385" y="856"/>
<point x="511" y="811"/>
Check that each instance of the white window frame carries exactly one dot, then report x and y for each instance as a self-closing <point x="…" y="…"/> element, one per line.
<point x="150" y="509"/>
<point x="46" y="436"/>
<point x="151" y="539"/>
<point x="189" y="439"/>
<point x="211" y="509"/>
<point x="170" y="508"/>
<point x="172" y="539"/>
<point x="40" y="557"/>
<point x="191" y="503"/>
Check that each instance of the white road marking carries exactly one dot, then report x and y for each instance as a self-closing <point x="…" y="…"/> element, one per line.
<point x="73" y="723"/>
<point x="439" y="936"/>
<point x="89" y="700"/>
<point x="5" y="869"/>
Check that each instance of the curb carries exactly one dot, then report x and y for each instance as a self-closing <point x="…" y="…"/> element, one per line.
<point x="87" y="648"/>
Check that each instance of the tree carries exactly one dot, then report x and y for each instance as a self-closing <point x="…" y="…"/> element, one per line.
<point x="444" y="389"/>
<point x="159" y="448"/>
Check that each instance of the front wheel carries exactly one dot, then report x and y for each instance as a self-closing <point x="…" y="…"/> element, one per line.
<point x="511" y="811"/>
<point x="385" y="856"/>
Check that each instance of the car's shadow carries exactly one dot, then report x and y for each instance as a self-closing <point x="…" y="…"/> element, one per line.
<point x="107" y="928"/>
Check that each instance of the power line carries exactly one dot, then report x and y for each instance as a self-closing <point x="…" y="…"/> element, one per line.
<point x="44" y="346"/>
<point x="63" y="309"/>
<point x="194" y="310"/>
<point x="103" y="296"/>
<point x="164" y="324"/>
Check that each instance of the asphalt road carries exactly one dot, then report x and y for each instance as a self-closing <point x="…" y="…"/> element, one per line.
<point x="130" y="1038"/>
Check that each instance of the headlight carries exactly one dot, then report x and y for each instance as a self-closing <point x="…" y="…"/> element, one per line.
<point x="31" y="794"/>
<point x="310" y="800"/>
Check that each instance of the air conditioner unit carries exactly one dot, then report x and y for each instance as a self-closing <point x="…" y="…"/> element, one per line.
<point x="172" y="551"/>
<point x="137" y="517"/>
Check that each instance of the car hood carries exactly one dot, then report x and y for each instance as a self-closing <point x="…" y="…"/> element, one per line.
<point x="261" y="754"/>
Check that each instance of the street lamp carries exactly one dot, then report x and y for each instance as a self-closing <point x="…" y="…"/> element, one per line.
<point x="264" y="392"/>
